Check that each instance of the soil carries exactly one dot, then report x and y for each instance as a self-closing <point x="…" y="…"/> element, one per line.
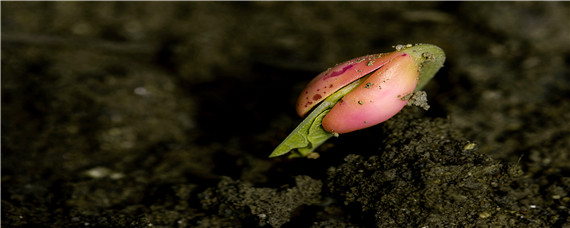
<point x="124" y="114"/>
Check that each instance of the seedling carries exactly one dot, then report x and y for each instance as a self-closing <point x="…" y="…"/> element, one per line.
<point x="359" y="93"/>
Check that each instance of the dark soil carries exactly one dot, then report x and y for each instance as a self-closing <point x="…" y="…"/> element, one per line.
<point x="123" y="114"/>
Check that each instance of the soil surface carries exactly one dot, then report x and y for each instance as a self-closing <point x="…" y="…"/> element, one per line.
<point x="124" y="114"/>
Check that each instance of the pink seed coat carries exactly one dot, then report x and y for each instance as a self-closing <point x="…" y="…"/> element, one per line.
<point x="376" y="99"/>
<point x="337" y="77"/>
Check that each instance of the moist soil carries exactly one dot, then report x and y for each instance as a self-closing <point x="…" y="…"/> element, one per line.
<point x="124" y="114"/>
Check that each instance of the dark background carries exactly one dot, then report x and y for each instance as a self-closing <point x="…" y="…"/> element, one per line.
<point x="163" y="114"/>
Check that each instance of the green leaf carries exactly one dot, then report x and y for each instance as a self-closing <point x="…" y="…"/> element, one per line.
<point x="310" y="134"/>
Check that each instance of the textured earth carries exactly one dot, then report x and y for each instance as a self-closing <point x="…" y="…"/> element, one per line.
<point x="124" y="114"/>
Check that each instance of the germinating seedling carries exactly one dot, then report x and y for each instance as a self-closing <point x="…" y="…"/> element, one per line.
<point x="359" y="93"/>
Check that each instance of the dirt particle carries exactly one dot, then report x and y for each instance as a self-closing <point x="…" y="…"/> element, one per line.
<point x="401" y="46"/>
<point x="418" y="98"/>
<point x="484" y="215"/>
<point x="428" y="55"/>
<point x="469" y="146"/>
<point x="313" y="155"/>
